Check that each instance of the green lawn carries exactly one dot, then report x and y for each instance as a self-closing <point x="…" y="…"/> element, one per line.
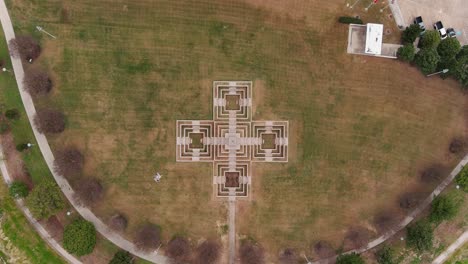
<point x="361" y="128"/>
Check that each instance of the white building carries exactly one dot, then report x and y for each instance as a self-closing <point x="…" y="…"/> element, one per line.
<point x="368" y="40"/>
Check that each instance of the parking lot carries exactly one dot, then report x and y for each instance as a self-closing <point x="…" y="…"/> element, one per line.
<point x="452" y="13"/>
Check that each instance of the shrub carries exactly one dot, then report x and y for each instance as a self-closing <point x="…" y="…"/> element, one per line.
<point x="45" y="200"/>
<point x="410" y="34"/>
<point x="118" y="222"/>
<point x="430" y="40"/>
<point x="427" y="60"/>
<point x="148" y="237"/>
<point x="89" y="191"/>
<point x="79" y="237"/>
<point x="207" y="253"/>
<point x="251" y="253"/>
<point x="178" y="249"/>
<point x="448" y="48"/>
<point x="122" y="257"/>
<point x="4" y="126"/>
<point x="12" y="114"/>
<point x="420" y="236"/>
<point x="37" y="82"/>
<point x="69" y="162"/>
<point x="349" y="20"/>
<point x="406" y="53"/>
<point x="18" y="189"/>
<point x="22" y="146"/>
<point x="49" y="121"/>
<point x="444" y="207"/>
<point x="462" y="179"/>
<point x="352" y="258"/>
<point x="386" y="255"/>
<point x="25" y="47"/>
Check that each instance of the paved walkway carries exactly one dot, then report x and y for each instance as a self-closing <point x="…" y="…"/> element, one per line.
<point x="49" y="157"/>
<point x="42" y="232"/>
<point x="411" y="216"/>
<point x="397" y="15"/>
<point x="451" y="249"/>
<point x="232" y="229"/>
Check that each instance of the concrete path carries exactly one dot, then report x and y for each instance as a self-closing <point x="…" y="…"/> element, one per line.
<point x="49" y="157"/>
<point x="232" y="229"/>
<point x="451" y="249"/>
<point x="39" y="229"/>
<point x="411" y="216"/>
<point x="397" y="15"/>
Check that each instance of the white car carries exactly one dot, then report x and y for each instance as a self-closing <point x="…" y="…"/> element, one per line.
<point x="439" y="27"/>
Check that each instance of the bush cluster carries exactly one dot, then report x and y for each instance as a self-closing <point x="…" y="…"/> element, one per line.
<point x="79" y="237"/>
<point x="349" y="20"/>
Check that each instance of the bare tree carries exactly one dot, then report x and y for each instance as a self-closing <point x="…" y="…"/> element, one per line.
<point x="25" y="47"/>
<point x="386" y="219"/>
<point x="288" y="256"/>
<point x="323" y="249"/>
<point x="433" y="173"/>
<point x="148" y="237"/>
<point x="89" y="191"/>
<point x="49" y="121"/>
<point x="410" y="200"/>
<point x="251" y="253"/>
<point x="457" y="146"/>
<point x="37" y="82"/>
<point x="69" y="162"/>
<point x="118" y="222"/>
<point x="356" y="236"/>
<point x="207" y="252"/>
<point x="178" y="249"/>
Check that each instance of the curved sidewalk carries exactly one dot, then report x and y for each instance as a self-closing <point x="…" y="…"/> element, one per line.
<point x="49" y="157"/>
<point x="411" y="216"/>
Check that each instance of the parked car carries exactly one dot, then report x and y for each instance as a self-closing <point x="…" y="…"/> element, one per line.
<point x="439" y="27"/>
<point x="419" y="21"/>
<point x="451" y="33"/>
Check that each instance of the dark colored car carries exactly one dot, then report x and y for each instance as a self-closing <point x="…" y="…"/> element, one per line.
<point x="451" y="33"/>
<point x="419" y="21"/>
<point x="440" y="27"/>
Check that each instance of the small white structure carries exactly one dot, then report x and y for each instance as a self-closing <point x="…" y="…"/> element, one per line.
<point x="157" y="177"/>
<point x="374" y="39"/>
<point x="368" y="40"/>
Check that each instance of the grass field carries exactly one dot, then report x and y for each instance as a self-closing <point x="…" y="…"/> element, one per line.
<point x="361" y="128"/>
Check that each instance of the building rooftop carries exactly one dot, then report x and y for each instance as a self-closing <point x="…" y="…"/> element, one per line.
<point x="374" y="39"/>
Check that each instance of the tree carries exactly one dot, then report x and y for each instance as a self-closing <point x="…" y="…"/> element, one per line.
<point x="25" y="47"/>
<point x="443" y="207"/>
<point x="4" y="126"/>
<point x="427" y="60"/>
<point x="410" y="200"/>
<point x="420" y="236"/>
<point x="118" y="222"/>
<point x="18" y="189"/>
<point x="352" y="258"/>
<point x="22" y="146"/>
<point x="288" y="256"/>
<point x="433" y="174"/>
<point x="45" y="200"/>
<point x="430" y="40"/>
<point x="324" y="249"/>
<point x="386" y="219"/>
<point x="12" y="114"/>
<point x="448" y="48"/>
<point x="386" y="255"/>
<point x="122" y="257"/>
<point x="89" y="191"/>
<point x="49" y="121"/>
<point x="462" y="179"/>
<point x="207" y="252"/>
<point x="79" y="237"/>
<point x="410" y="34"/>
<point x="148" y="237"/>
<point x="69" y="162"/>
<point x="406" y="53"/>
<point x="37" y="82"/>
<point x="251" y="253"/>
<point x="457" y="145"/>
<point x="461" y="69"/>
<point x="178" y="249"/>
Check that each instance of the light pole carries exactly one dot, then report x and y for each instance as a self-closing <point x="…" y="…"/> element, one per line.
<point x="439" y="72"/>
<point x="308" y="261"/>
<point x="5" y="70"/>
<point x="354" y="3"/>
<point x="42" y="30"/>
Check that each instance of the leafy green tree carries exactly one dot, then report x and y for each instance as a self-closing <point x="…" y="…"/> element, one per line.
<point x="427" y="60"/>
<point x="406" y="53"/>
<point x="352" y="258"/>
<point x="386" y="255"/>
<point x="420" y="236"/>
<point x="444" y="207"/>
<point x="45" y="200"/>
<point x="449" y="64"/>
<point x="448" y="48"/>
<point x="12" y="114"/>
<point x="122" y="257"/>
<point x="410" y="34"/>
<point x="461" y="69"/>
<point x="430" y="39"/>
<point x="79" y="237"/>
<point x="18" y="189"/>
<point x="22" y="146"/>
<point x="462" y="179"/>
